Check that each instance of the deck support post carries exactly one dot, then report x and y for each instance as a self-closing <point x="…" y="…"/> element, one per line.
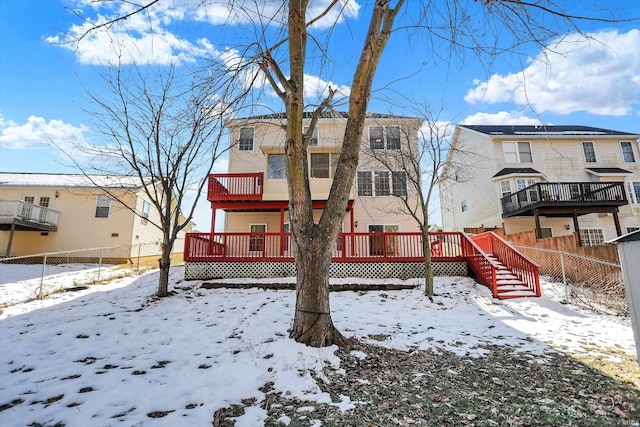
<point x="537" y="221"/>
<point x="576" y="227"/>
<point x="616" y="221"/>
<point x="13" y="229"/>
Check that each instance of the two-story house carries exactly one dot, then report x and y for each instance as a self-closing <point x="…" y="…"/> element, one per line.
<point x="254" y="193"/>
<point x="42" y="212"/>
<point x="556" y="180"/>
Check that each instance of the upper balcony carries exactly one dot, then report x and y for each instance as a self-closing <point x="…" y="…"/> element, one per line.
<point x="233" y="187"/>
<point x="23" y="216"/>
<point x="253" y="187"/>
<point x="564" y="198"/>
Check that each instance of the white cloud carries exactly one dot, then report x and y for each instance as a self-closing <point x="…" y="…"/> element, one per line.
<point x="148" y="37"/>
<point x="500" y="118"/>
<point x="315" y="87"/>
<point x="600" y="75"/>
<point x="273" y="12"/>
<point x="38" y="133"/>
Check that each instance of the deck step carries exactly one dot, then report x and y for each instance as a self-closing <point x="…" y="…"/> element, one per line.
<point x="508" y="284"/>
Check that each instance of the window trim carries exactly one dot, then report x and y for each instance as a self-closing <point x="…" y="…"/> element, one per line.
<point x="633" y="190"/>
<point x="146" y="208"/>
<point x="313" y="171"/>
<point x="593" y="152"/>
<point x="315" y="136"/>
<point x="384" y="138"/>
<point x="588" y="241"/>
<point x="240" y="140"/>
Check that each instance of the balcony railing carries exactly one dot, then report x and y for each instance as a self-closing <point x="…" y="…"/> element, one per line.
<point x="27" y="213"/>
<point x="235" y="186"/>
<point x="564" y="194"/>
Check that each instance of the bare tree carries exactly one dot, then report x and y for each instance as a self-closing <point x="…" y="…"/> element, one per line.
<point x="476" y="26"/>
<point x="166" y="133"/>
<point x="421" y="163"/>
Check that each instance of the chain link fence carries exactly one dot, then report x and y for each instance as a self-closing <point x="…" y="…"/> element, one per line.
<point x="29" y="277"/>
<point x="588" y="282"/>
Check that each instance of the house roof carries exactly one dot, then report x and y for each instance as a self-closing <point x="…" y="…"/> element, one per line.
<point x="542" y="130"/>
<point x="20" y="179"/>
<point x="518" y="171"/>
<point x="608" y="171"/>
<point x="325" y="115"/>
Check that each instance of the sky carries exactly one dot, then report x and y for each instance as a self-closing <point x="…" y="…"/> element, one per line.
<point x="112" y="352"/>
<point x="46" y="74"/>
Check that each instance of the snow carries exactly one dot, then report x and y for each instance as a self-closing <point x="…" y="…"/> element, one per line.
<point x="112" y="354"/>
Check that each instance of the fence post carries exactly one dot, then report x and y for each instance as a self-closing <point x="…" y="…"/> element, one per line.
<point x="99" y="265"/>
<point x="138" y="264"/>
<point x="44" y="264"/>
<point x="564" y="279"/>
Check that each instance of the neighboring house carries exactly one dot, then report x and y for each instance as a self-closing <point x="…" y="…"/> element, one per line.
<point x="63" y="212"/>
<point x="257" y="164"/>
<point x="556" y="180"/>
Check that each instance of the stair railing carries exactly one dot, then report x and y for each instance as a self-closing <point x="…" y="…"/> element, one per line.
<point x="480" y="264"/>
<point x="524" y="268"/>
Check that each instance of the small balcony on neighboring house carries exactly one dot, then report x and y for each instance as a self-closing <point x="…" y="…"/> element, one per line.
<point x="18" y="215"/>
<point x="566" y="199"/>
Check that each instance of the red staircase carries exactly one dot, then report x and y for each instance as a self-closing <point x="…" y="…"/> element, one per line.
<point x="507" y="272"/>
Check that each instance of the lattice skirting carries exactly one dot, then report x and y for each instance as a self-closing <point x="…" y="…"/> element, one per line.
<point x="404" y="270"/>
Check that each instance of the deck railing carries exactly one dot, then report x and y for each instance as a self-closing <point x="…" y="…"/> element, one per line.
<point x="235" y="186"/>
<point x="11" y="210"/>
<point x="354" y="247"/>
<point x="565" y="194"/>
<point x="521" y="266"/>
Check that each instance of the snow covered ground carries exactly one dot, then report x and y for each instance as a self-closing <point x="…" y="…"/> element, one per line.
<point x="113" y="354"/>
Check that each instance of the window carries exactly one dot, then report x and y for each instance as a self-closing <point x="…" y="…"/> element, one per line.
<point x="365" y="185"/>
<point x="320" y="167"/>
<point x="530" y="195"/>
<point x="380" y="244"/>
<point x="633" y="188"/>
<point x="276" y="168"/>
<point x="589" y="152"/>
<point x="381" y="182"/>
<point x="627" y="152"/>
<point x="545" y="232"/>
<point x="146" y="207"/>
<point x="313" y="142"/>
<point x="103" y="205"/>
<point x="591" y="237"/>
<point x="399" y="183"/>
<point x="378" y="183"/>
<point x="517" y="152"/>
<point x="246" y="139"/>
<point x="505" y="188"/>
<point x="379" y="135"/>
<point x="463" y="205"/>
<point x="393" y="137"/>
<point x="256" y="242"/>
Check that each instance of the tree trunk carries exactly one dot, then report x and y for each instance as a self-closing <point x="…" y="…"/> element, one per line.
<point x="164" y="263"/>
<point x="312" y="323"/>
<point x="428" y="268"/>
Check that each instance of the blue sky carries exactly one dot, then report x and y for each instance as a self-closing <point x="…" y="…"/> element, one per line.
<point x="43" y="82"/>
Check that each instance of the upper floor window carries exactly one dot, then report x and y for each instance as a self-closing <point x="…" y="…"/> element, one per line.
<point x="627" y="152"/>
<point x="313" y="142"/>
<point x="505" y="188"/>
<point x="589" y="152"/>
<point x="463" y="205"/>
<point x="276" y="168"/>
<point x="517" y="152"/>
<point x="381" y="137"/>
<point x="146" y="207"/>
<point x="246" y="139"/>
<point x="633" y="188"/>
<point x="399" y="183"/>
<point x="365" y="185"/>
<point x="323" y="165"/>
<point x="320" y="166"/>
<point x="103" y="205"/>
<point x="381" y="182"/>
